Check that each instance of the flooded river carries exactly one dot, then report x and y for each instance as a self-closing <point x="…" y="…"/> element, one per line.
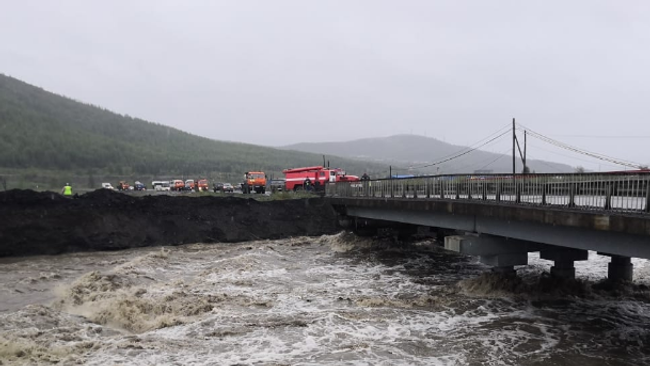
<point x="333" y="300"/>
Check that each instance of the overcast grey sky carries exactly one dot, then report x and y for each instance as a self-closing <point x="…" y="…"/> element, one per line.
<point x="280" y="72"/>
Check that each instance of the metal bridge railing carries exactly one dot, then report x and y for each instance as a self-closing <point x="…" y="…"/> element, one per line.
<point x="621" y="191"/>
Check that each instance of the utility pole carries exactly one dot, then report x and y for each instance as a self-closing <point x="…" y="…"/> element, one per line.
<point x="514" y="139"/>
<point x="525" y="164"/>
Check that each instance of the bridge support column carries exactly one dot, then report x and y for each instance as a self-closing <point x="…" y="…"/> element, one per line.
<point x="620" y="268"/>
<point x="500" y="253"/>
<point x="564" y="259"/>
<point x="505" y="271"/>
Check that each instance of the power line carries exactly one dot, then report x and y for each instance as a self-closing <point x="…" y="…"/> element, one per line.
<point x="463" y="153"/>
<point x="582" y="151"/>
<point x="606" y="136"/>
<point x="503" y="154"/>
<point x="545" y="163"/>
<point x="565" y="155"/>
<point x="505" y="127"/>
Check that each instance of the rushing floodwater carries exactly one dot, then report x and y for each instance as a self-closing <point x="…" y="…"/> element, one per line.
<point x="313" y="301"/>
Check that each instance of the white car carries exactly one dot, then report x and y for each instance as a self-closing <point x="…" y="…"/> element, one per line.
<point x="107" y="186"/>
<point x="160" y="185"/>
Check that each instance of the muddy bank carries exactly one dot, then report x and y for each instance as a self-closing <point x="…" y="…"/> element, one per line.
<point x="33" y="223"/>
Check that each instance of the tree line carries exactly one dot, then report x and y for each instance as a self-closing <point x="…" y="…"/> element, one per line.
<point x="42" y="130"/>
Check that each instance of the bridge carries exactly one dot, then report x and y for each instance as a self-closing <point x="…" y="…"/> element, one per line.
<point x="501" y="218"/>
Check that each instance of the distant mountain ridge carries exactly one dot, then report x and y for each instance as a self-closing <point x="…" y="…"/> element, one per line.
<point x="405" y="151"/>
<point x="40" y="130"/>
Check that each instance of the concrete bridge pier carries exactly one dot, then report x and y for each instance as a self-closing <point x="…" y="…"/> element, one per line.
<point x="564" y="259"/>
<point x="500" y="253"/>
<point x="620" y="268"/>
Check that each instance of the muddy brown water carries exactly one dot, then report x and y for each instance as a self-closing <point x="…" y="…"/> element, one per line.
<point x="330" y="300"/>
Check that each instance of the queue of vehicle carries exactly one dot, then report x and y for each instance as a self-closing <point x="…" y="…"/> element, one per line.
<point x="313" y="178"/>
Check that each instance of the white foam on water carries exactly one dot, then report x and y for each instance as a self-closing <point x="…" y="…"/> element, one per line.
<point x="330" y="300"/>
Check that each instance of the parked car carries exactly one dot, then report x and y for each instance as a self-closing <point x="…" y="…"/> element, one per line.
<point x="276" y="185"/>
<point x="189" y="185"/>
<point x="123" y="186"/>
<point x="223" y="187"/>
<point x="107" y="186"/>
<point x="138" y="186"/>
<point x="161" y="186"/>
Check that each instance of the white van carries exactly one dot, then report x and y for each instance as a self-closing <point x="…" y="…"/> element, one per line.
<point x="107" y="186"/>
<point x="161" y="185"/>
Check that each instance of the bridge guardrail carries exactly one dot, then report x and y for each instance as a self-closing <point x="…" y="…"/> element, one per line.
<point x="621" y="191"/>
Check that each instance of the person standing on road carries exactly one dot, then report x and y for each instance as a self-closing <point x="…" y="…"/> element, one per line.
<point x="307" y="184"/>
<point x="67" y="190"/>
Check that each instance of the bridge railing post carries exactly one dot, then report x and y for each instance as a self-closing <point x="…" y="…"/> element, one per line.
<point x="469" y="189"/>
<point x="484" y="187"/>
<point x="608" y="196"/>
<point x="441" y="184"/>
<point x="572" y="194"/>
<point x="428" y="187"/>
<point x="498" y="190"/>
<point x="416" y="186"/>
<point x="647" y="195"/>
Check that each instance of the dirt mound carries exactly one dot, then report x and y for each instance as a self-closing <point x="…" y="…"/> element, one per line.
<point x="28" y="197"/>
<point x="46" y="223"/>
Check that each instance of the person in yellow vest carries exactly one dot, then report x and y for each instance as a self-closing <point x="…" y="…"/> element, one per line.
<point x="67" y="190"/>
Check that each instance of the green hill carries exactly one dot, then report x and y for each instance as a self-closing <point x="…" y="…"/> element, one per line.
<point x="41" y="131"/>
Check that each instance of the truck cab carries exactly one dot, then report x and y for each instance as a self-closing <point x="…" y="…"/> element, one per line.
<point x="254" y="181"/>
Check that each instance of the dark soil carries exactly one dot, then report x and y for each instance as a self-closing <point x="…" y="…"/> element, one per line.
<point x="33" y="223"/>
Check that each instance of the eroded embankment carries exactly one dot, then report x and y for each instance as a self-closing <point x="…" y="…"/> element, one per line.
<point x="33" y="223"/>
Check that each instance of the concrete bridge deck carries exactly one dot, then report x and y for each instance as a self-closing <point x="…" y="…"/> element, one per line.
<point x="501" y="221"/>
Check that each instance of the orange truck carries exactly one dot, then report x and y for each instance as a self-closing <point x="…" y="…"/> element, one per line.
<point x="178" y="185"/>
<point x="254" y="181"/>
<point x="202" y="185"/>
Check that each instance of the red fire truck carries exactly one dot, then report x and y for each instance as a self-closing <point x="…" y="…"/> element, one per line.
<point x="319" y="176"/>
